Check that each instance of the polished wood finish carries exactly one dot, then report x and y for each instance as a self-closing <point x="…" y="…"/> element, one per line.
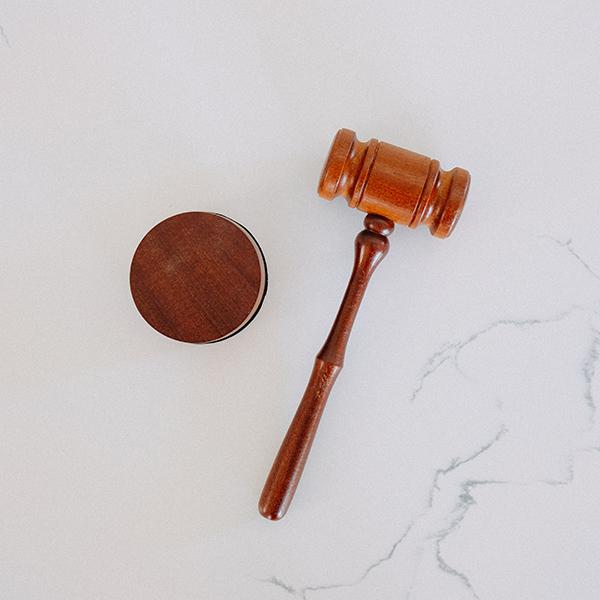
<point x="370" y="247"/>
<point x="198" y="277"/>
<point x="406" y="187"/>
<point x="392" y="185"/>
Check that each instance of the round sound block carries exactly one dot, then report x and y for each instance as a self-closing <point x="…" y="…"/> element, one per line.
<point x="198" y="277"/>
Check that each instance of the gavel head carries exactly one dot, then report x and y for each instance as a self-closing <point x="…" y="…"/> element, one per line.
<point x="406" y="187"/>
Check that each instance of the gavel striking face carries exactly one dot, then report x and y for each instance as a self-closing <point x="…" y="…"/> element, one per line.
<point x="392" y="185"/>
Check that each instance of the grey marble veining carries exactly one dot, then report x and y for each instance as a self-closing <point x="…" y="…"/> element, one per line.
<point x="459" y="454"/>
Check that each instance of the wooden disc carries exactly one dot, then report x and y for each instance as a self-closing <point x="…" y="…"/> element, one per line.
<point x="198" y="277"/>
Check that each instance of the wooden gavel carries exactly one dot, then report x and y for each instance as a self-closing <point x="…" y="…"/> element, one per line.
<point x="392" y="185"/>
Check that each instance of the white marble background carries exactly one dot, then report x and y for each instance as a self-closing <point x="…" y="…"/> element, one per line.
<point x="459" y="455"/>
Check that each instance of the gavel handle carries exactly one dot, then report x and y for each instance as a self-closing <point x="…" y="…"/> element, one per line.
<point x="371" y="246"/>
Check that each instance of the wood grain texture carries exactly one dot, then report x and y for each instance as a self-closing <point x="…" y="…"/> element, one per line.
<point x="198" y="277"/>
<point x="371" y="246"/>
<point x="406" y="187"/>
<point x="392" y="185"/>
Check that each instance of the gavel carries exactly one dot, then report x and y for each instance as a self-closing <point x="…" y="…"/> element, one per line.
<point x="392" y="185"/>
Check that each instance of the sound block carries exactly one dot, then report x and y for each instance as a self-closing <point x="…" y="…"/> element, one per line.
<point x="198" y="277"/>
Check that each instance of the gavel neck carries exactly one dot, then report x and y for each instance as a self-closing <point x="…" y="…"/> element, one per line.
<point x="371" y="246"/>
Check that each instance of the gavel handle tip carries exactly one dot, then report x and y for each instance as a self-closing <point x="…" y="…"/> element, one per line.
<point x="278" y="492"/>
<point x="289" y="463"/>
<point x="270" y="513"/>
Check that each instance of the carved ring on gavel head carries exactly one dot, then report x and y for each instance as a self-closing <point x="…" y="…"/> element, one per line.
<point x="392" y="185"/>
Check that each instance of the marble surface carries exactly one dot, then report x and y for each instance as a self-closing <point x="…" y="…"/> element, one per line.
<point x="458" y="457"/>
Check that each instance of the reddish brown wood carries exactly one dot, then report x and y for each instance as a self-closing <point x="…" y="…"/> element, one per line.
<point x="406" y="187"/>
<point x="393" y="185"/>
<point x="198" y="277"/>
<point x="370" y="248"/>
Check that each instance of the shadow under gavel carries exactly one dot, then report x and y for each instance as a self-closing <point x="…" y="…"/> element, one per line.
<point x="392" y="185"/>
